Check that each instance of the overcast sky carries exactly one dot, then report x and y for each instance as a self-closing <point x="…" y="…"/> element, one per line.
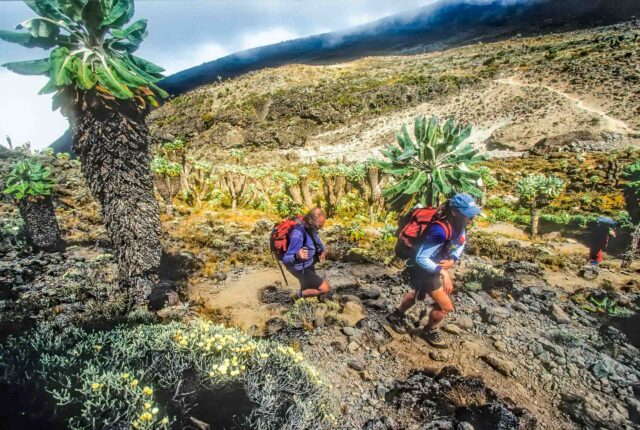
<point x="182" y="34"/>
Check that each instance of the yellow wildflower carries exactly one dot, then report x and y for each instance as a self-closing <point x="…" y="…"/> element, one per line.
<point x="95" y="386"/>
<point x="146" y="417"/>
<point x="147" y="390"/>
<point x="134" y="383"/>
<point x="147" y="405"/>
<point x="125" y="376"/>
<point x="165" y="420"/>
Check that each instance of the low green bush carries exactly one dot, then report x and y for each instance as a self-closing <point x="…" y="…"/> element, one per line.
<point x="151" y="376"/>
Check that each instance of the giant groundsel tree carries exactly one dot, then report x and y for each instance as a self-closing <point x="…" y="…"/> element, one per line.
<point x="535" y="192"/>
<point x="104" y="91"/>
<point x="434" y="166"/>
<point x="631" y="174"/>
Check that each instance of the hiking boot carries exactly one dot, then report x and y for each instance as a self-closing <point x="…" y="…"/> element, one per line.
<point x="433" y="338"/>
<point x="296" y="296"/>
<point x="398" y="322"/>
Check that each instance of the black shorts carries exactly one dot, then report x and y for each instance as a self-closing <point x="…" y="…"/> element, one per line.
<point x="309" y="279"/>
<point x="421" y="281"/>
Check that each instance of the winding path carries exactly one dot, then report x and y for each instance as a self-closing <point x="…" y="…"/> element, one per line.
<point x="612" y="123"/>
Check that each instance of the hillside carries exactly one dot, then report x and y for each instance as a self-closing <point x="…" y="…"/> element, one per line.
<point x="436" y="26"/>
<point x="575" y="86"/>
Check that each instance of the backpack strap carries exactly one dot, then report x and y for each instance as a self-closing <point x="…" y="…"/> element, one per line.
<point x="446" y="226"/>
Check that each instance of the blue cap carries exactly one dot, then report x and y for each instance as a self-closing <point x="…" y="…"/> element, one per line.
<point x="606" y="220"/>
<point x="465" y="204"/>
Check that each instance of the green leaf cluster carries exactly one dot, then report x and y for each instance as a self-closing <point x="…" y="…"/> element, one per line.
<point x="163" y="166"/>
<point x="28" y="179"/>
<point x="606" y="306"/>
<point x="537" y="190"/>
<point x="173" y="146"/>
<point x="90" y="48"/>
<point x="434" y="166"/>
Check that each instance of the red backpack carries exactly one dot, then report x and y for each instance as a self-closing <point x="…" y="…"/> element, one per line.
<point x="412" y="228"/>
<point x="279" y="239"/>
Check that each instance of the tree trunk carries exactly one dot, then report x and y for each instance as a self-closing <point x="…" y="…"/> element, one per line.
<point x="184" y="175"/>
<point x="295" y="194"/>
<point x="306" y="193"/>
<point x="535" y="219"/>
<point x="632" y="250"/>
<point x="112" y="141"/>
<point x="41" y="224"/>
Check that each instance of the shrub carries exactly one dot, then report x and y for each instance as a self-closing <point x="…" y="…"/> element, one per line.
<point x="483" y="275"/>
<point x="12" y="233"/>
<point x="137" y="377"/>
<point x="303" y="312"/>
<point x="355" y="231"/>
<point x="28" y="178"/>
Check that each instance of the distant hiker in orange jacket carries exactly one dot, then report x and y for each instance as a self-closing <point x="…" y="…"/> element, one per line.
<point x="600" y="232"/>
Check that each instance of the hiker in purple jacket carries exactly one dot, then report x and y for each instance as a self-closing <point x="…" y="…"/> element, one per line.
<point x="303" y="251"/>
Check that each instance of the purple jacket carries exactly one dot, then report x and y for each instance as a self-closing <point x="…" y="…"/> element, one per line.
<point x="299" y="237"/>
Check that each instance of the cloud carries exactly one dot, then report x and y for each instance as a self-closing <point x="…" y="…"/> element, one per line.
<point x="25" y="115"/>
<point x="267" y="37"/>
<point x="207" y="51"/>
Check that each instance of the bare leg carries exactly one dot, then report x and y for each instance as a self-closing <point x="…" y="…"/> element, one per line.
<point x="407" y="302"/>
<point x="441" y="308"/>
<point x="324" y="288"/>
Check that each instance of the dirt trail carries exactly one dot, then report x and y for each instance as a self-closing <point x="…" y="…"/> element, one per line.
<point x="612" y="124"/>
<point x="238" y="299"/>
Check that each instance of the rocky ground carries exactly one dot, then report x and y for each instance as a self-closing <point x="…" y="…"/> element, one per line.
<point x="544" y="361"/>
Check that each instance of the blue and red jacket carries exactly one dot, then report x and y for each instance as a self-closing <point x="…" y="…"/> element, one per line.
<point x="435" y="247"/>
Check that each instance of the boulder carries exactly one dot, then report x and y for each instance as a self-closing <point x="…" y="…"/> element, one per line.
<point x="350" y="298"/>
<point x="502" y="366"/>
<point x="319" y="314"/>
<point x="357" y="365"/>
<point x="593" y="412"/>
<point x="452" y="329"/>
<point x="559" y="315"/>
<point x="372" y="292"/>
<point x="351" y="314"/>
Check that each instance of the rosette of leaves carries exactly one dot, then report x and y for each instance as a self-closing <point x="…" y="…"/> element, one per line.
<point x="29" y="183"/>
<point x="91" y="48"/>
<point x="536" y="192"/>
<point x="28" y="179"/>
<point x="432" y="166"/>
<point x="105" y="91"/>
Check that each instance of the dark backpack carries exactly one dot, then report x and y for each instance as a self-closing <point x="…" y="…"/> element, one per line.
<point x="411" y="229"/>
<point x="279" y="239"/>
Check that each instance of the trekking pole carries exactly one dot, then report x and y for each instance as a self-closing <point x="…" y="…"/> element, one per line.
<point x="280" y="267"/>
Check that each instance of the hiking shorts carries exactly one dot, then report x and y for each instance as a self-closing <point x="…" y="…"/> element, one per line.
<point x="309" y="279"/>
<point x="421" y="281"/>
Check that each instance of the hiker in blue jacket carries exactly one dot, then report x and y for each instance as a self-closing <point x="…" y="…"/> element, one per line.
<point x="303" y="251"/>
<point x="439" y="250"/>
